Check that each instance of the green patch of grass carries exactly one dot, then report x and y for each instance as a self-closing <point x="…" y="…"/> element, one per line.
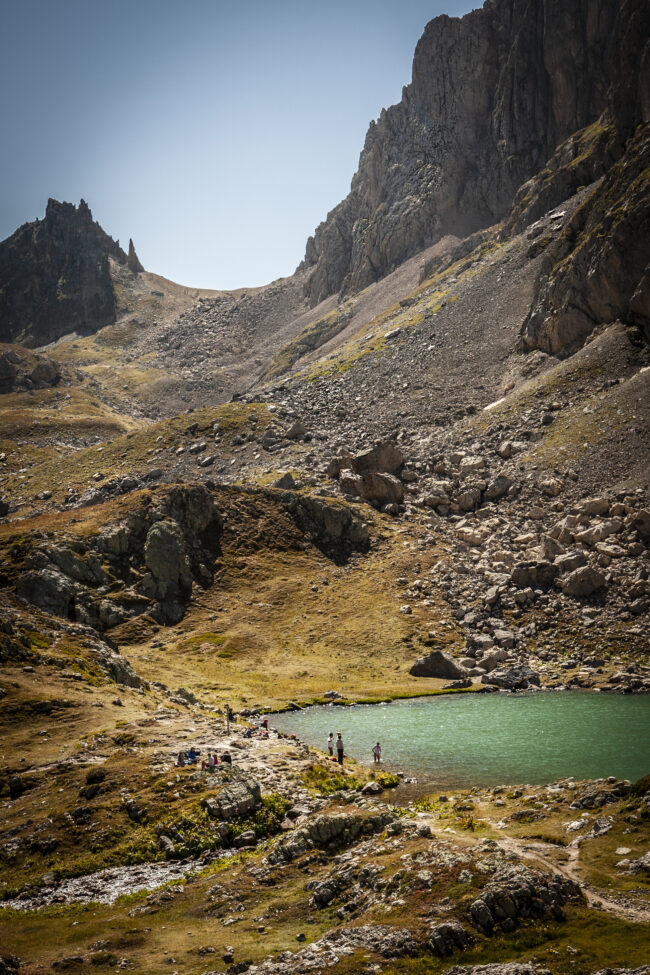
<point x="266" y="821"/>
<point x="326" y="780"/>
<point x="388" y="780"/>
<point x="38" y="639"/>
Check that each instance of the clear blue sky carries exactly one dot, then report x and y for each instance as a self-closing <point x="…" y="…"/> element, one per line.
<point x="216" y="134"/>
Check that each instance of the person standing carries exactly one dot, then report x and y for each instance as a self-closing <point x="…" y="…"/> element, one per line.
<point x="376" y="751"/>
<point x="339" y="748"/>
<point x="330" y="743"/>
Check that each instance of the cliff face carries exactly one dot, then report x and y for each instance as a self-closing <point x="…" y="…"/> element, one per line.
<point x="55" y="276"/>
<point x="492" y="95"/>
<point x="597" y="271"/>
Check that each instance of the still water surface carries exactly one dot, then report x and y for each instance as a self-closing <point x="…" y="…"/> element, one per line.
<point x="491" y="739"/>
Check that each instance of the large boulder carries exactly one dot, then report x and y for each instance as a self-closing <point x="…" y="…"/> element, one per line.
<point x="469" y="499"/>
<point x="382" y="488"/>
<point x="583" y="582"/>
<point x="642" y="522"/>
<point x="437" y="664"/>
<point x="600" y="531"/>
<point x="45" y="373"/>
<point x="383" y="458"/>
<point x="350" y="483"/>
<point x="534" y="575"/>
<point x="497" y="487"/>
<point x="570" y="561"/>
<point x="438" y="492"/>
<point x="49" y="590"/>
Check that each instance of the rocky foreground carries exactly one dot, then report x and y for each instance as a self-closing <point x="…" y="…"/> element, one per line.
<point x="282" y="862"/>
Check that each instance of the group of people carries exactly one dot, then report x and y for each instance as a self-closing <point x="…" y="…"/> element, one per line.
<point x="337" y="744"/>
<point x="190" y="757"/>
<point x="193" y="756"/>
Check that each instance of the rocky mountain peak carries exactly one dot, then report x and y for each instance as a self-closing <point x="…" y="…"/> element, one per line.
<point x="492" y="94"/>
<point x="132" y="260"/>
<point x="55" y="276"/>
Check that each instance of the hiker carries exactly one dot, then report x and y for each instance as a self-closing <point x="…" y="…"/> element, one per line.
<point x="339" y="748"/>
<point x="192" y="755"/>
<point x="209" y="762"/>
<point x="181" y="759"/>
<point x="226" y="758"/>
<point x="330" y="743"/>
<point x="265" y="724"/>
<point x="376" y="752"/>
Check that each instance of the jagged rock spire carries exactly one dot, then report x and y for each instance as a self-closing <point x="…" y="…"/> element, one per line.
<point x="132" y="259"/>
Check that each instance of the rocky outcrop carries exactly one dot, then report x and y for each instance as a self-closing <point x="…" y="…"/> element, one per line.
<point x="21" y="369"/>
<point x="516" y="893"/>
<point x="55" y="276"/>
<point x="148" y="562"/>
<point x="513" y="678"/>
<point x="331" y="527"/>
<point x="492" y="95"/>
<point x="241" y="796"/>
<point x="330" y="833"/>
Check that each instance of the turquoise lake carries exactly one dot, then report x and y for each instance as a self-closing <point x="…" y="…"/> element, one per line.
<point x="496" y="739"/>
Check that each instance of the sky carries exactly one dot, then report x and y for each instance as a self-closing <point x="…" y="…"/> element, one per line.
<point x="216" y="134"/>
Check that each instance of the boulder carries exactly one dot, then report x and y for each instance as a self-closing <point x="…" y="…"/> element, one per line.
<point x="472" y="465"/>
<point x="437" y="664"/>
<point x="551" y="487"/>
<point x="296" y="431"/>
<point x="497" y="487"/>
<point x="599" y="532"/>
<point x="479" y="642"/>
<point x="536" y="575"/>
<point x="513" y="678"/>
<point x="350" y="483"/>
<point x="594" y="507"/>
<point x="382" y="488"/>
<point x="7" y="373"/>
<point x="469" y="499"/>
<point x="550" y="548"/>
<point x="570" y="561"/>
<point x="583" y="581"/>
<point x="438" y="492"/>
<point x="491" y="661"/>
<point x="641" y="866"/>
<point x="641" y="522"/>
<point x="45" y="373"/>
<point x="447" y="937"/>
<point x="286" y="482"/>
<point x="384" y="458"/>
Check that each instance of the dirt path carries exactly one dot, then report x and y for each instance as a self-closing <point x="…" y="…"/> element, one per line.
<point x="541" y="854"/>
